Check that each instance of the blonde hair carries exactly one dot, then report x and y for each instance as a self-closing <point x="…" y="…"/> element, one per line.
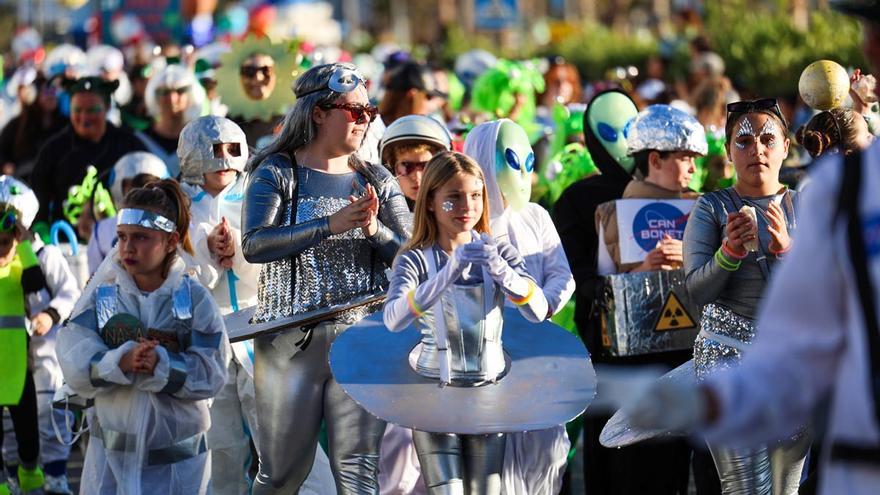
<point x="443" y="167"/>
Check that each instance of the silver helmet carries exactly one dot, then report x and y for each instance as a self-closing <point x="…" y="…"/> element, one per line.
<point x="130" y="166"/>
<point x="195" y="148"/>
<point x="20" y="198"/>
<point x="664" y="128"/>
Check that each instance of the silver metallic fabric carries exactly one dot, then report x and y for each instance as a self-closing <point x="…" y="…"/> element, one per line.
<point x="549" y="380"/>
<point x="618" y="432"/>
<point x="664" y="128"/>
<point x="105" y="303"/>
<point x="743" y="471"/>
<point x="471" y="317"/>
<point x="146" y="219"/>
<point x="337" y="270"/>
<point x="20" y="197"/>
<point x="195" y="148"/>
<point x="180" y="451"/>
<point x="633" y="306"/>
<point x="711" y="354"/>
<point x="181" y="299"/>
<point x="742" y="290"/>
<point x="460" y="464"/>
<point x="293" y="396"/>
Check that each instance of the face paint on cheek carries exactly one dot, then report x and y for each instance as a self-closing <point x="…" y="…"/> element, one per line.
<point x="770" y="129"/>
<point x="447" y="206"/>
<point x="745" y="129"/>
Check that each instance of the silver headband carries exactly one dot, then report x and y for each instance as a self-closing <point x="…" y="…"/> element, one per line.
<point x="146" y="219"/>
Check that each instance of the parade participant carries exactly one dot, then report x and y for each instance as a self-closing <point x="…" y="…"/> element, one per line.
<point x="253" y="80"/>
<point x="838" y="129"/>
<point x="326" y="225"/>
<point x="213" y="153"/>
<point x="20" y="277"/>
<point x="604" y="127"/>
<point x="451" y="257"/>
<point x="147" y="342"/>
<point x="664" y="142"/>
<point x="728" y="260"/>
<point x="89" y="140"/>
<point x="25" y="134"/>
<point x="406" y="147"/>
<point x="46" y="309"/>
<point x="817" y="332"/>
<point x="173" y="97"/>
<point x="410" y="89"/>
<point x="503" y="152"/>
<point x="133" y="170"/>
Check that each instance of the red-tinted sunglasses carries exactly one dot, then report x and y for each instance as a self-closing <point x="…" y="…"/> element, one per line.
<point x="359" y="114"/>
<point x="406" y="168"/>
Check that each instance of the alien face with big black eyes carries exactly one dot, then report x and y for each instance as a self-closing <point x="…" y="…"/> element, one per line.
<point x="609" y="117"/>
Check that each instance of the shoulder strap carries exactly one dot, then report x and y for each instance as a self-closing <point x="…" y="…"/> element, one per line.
<point x="848" y="208"/>
<point x="762" y="256"/>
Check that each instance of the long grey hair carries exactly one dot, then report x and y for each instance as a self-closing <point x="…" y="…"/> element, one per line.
<point x="299" y="129"/>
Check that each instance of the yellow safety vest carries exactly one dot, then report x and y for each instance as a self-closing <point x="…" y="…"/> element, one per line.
<point x="13" y="332"/>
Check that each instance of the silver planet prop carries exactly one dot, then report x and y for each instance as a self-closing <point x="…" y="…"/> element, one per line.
<point x="618" y="431"/>
<point x="239" y="326"/>
<point x="550" y="380"/>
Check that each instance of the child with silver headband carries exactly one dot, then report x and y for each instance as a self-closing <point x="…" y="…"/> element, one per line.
<point x="148" y="343"/>
<point x="46" y="308"/>
<point x="213" y="153"/>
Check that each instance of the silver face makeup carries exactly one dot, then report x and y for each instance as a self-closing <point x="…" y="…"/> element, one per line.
<point x="745" y="129"/>
<point x="479" y="183"/>
<point x="447" y="206"/>
<point x="770" y="129"/>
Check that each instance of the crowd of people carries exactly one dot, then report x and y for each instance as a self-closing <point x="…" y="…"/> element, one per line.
<point x="461" y="209"/>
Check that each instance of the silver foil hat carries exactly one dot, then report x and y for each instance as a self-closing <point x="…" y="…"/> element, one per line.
<point x="146" y="219"/>
<point x="20" y="197"/>
<point x="195" y="148"/>
<point x="664" y="128"/>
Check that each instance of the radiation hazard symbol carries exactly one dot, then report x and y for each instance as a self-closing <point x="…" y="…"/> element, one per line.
<point x="673" y="316"/>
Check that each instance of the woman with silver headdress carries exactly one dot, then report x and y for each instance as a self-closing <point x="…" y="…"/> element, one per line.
<point x="326" y="225"/>
<point x="733" y="241"/>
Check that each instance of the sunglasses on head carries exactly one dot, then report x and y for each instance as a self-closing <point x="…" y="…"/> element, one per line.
<point x="406" y="168"/>
<point x="343" y="80"/>
<point x="167" y="91"/>
<point x="8" y="221"/>
<point x="763" y="105"/>
<point x="251" y="71"/>
<point x="357" y="113"/>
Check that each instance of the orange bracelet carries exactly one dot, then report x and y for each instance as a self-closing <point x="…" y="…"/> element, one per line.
<point x="519" y="301"/>
<point x="413" y="305"/>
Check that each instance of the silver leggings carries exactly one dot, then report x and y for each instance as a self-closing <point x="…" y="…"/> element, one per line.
<point x="293" y="395"/>
<point x="775" y="471"/>
<point x="460" y="464"/>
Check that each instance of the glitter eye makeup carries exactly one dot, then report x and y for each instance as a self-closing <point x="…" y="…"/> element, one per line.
<point x="770" y="129"/>
<point x="745" y="129"/>
<point x="447" y="206"/>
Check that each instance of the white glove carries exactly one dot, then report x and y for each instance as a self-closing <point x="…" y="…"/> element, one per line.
<point x="671" y="406"/>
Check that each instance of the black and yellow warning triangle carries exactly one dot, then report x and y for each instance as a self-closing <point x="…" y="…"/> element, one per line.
<point x="673" y="316"/>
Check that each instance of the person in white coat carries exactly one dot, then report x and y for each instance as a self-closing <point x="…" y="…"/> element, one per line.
<point x="47" y="309"/>
<point x="212" y="153"/>
<point x="148" y="343"/>
<point x="534" y="462"/>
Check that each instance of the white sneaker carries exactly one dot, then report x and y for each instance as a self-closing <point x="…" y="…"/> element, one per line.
<point x="57" y="485"/>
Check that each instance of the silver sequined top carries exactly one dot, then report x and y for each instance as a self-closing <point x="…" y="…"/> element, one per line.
<point x="327" y="269"/>
<point x="740" y="290"/>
